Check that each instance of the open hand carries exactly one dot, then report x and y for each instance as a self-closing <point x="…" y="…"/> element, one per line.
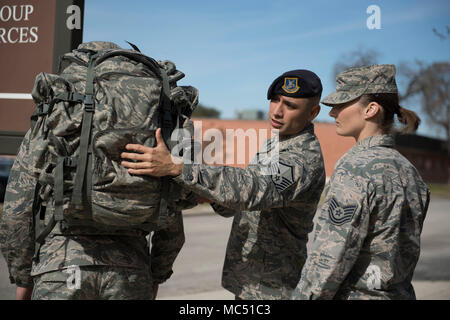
<point x="156" y="162"/>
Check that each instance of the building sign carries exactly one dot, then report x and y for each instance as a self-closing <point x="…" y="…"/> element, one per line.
<point x="33" y="35"/>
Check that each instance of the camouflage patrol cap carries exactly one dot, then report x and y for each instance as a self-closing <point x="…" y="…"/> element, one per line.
<point x="354" y="82"/>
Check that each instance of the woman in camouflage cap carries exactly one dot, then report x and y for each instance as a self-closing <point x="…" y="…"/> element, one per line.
<point x="367" y="238"/>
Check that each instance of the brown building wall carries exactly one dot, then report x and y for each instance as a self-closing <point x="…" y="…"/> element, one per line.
<point x="433" y="166"/>
<point x="333" y="146"/>
<point x="22" y="60"/>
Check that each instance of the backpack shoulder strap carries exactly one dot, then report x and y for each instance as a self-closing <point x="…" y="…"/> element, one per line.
<point x="88" y="114"/>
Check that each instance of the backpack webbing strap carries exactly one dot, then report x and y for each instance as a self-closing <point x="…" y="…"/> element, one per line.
<point x="88" y="184"/>
<point x="166" y="130"/>
<point x="36" y="211"/>
<point x="77" y="196"/>
<point x="70" y="96"/>
<point x="59" y="190"/>
<point x="42" y="235"/>
<point x="168" y="111"/>
<point x="59" y="185"/>
<point x="167" y="122"/>
<point x="41" y="110"/>
<point x="58" y="215"/>
<point x="165" y="188"/>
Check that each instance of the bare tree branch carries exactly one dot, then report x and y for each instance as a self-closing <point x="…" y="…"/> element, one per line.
<point x="358" y="58"/>
<point x="432" y="84"/>
<point x="440" y="35"/>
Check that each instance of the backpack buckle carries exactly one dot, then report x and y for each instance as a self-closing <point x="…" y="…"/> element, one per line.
<point x="89" y="103"/>
<point x="70" y="162"/>
<point x="45" y="108"/>
<point x="76" y="97"/>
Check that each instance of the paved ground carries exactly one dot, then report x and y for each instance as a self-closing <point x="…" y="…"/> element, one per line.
<point x="197" y="271"/>
<point x="432" y="275"/>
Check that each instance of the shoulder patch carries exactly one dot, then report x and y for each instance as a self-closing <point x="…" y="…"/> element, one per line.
<point x="340" y="214"/>
<point x="284" y="178"/>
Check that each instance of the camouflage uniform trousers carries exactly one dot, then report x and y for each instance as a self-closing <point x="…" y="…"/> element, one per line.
<point x="94" y="283"/>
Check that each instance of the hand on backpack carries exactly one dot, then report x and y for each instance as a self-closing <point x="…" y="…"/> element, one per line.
<point x="156" y="162"/>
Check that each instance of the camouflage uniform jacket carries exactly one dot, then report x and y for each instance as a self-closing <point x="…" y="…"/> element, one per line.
<point x="367" y="239"/>
<point x="272" y="215"/>
<point x="83" y="246"/>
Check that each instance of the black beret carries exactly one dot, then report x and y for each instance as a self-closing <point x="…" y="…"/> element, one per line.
<point x="296" y="84"/>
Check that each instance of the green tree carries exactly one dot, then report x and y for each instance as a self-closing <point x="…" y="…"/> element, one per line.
<point x="205" y="112"/>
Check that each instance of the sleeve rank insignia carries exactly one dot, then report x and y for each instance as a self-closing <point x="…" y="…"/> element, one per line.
<point x="284" y="178"/>
<point x="339" y="214"/>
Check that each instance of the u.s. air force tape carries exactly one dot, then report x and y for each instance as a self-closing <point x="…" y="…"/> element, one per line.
<point x="340" y="214"/>
<point x="284" y="178"/>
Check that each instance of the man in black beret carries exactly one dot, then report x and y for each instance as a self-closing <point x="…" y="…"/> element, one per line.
<point x="294" y="101"/>
<point x="273" y="200"/>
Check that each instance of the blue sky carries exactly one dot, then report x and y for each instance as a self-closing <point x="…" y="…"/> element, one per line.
<point x="232" y="50"/>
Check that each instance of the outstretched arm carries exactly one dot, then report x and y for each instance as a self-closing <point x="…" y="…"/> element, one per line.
<point x="235" y="188"/>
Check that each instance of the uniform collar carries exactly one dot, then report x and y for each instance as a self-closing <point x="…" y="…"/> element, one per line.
<point x="384" y="140"/>
<point x="288" y="140"/>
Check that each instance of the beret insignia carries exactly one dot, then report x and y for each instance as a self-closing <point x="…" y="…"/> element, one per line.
<point x="290" y="85"/>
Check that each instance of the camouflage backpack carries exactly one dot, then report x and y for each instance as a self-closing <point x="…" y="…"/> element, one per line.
<point x="105" y="98"/>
